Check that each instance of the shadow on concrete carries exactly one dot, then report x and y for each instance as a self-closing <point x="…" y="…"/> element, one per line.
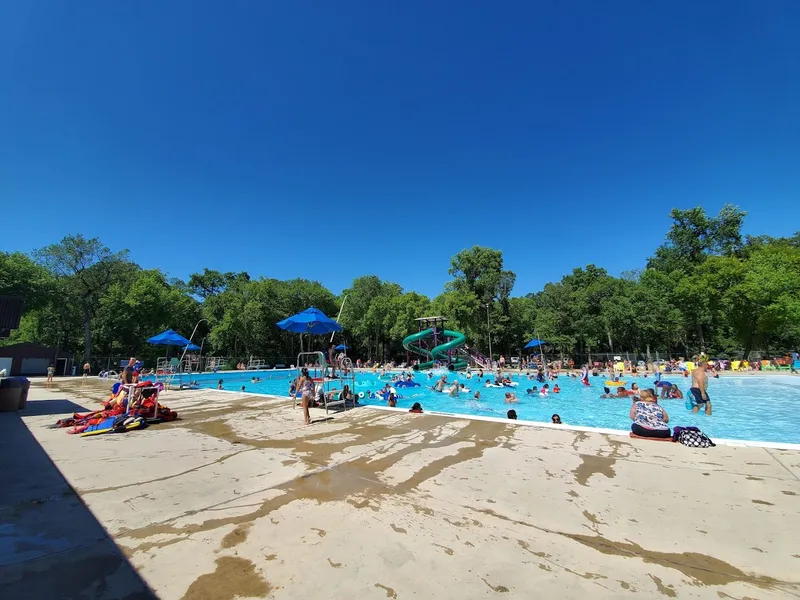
<point x="51" y="545"/>
<point x="37" y="408"/>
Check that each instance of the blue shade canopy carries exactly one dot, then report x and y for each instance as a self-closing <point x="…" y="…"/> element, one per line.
<point x="192" y="347"/>
<point x="311" y="320"/>
<point x="169" y="338"/>
<point x="535" y="343"/>
<point x="342" y="347"/>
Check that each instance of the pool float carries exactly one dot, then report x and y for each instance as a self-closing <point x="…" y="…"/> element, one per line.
<point x="615" y="383"/>
<point x="385" y="395"/>
<point x="688" y="404"/>
<point x="407" y="384"/>
<point x="361" y="395"/>
<point x="505" y="385"/>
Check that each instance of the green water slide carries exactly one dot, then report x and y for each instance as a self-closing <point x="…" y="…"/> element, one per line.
<point x="455" y="341"/>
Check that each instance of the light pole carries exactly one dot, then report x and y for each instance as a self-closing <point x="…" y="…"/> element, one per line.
<point x="489" y="333"/>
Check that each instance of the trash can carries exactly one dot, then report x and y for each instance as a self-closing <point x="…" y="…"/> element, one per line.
<point x="25" y="385"/>
<point x="10" y="390"/>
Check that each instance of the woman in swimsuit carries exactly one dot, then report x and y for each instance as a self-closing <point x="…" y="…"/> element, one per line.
<point x="306" y="387"/>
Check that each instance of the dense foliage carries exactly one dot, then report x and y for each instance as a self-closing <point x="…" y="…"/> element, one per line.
<point x="707" y="287"/>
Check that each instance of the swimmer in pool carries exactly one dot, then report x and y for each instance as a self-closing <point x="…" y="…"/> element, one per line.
<point x="557" y="389"/>
<point x="511" y="398"/>
<point x="607" y="393"/>
<point x="556" y="420"/>
<point x="665" y="387"/>
<point x="545" y="390"/>
<point x="477" y="396"/>
<point x="699" y="389"/>
<point x="675" y="393"/>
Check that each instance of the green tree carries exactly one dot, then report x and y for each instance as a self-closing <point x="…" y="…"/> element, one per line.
<point x="86" y="268"/>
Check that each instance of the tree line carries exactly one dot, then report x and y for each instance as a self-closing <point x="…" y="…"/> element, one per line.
<point x="707" y="287"/>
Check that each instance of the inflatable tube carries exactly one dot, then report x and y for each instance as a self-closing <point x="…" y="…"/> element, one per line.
<point x="614" y="383"/>
<point x="385" y="395"/>
<point x="361" y="395"/>
<point x="407" y="384"/>
<point x="689" y="404"/>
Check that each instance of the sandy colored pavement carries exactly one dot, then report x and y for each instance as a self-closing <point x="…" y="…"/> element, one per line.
<point x="239" y="500"/>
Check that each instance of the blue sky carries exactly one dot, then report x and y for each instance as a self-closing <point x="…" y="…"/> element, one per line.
<point x="332" y="139"/>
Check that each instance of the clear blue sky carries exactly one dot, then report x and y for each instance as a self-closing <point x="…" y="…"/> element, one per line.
<point x="264" y="136"/>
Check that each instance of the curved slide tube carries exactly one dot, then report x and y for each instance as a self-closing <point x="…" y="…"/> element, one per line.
<point x="456" y="340"/>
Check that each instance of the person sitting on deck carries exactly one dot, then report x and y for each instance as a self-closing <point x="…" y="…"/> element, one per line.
<point x="347" y="395"/>
<point x="649" y="418"/>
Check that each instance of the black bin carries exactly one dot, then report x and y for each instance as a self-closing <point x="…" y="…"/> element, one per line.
<point x="10" y="391"/>
<point x="25" y="385"/>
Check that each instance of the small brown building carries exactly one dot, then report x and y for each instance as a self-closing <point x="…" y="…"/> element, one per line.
<point x="31" y="359"/>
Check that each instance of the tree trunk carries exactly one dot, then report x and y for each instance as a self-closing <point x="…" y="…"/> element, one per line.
<point x="87" y="334"/>
<point x="610" y="343"/>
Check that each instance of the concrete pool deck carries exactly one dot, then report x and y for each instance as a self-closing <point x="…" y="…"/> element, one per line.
<point x="239" y="500"/>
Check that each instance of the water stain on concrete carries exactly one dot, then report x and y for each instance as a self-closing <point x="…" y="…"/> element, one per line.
<point x="448" y="551"/>
<point x="592" y="518"/>
<point x="700" y="568"/>
<point x="356" y="478"/>
<point x="237" y="536"/>
<point x="320" y="532"/>
<point x="335" y="565"/>
<point x="270" y="557"/>
<point x="398" y="529"/>
<point x="591" y="465"/>
<point x="573" y="493"/>
<point x="580" y="436"/>
<point x="764" y="502"/>
<point x="234" y="576"/>
<point x="752" y="478"/>
<point x="788" y="493"/>
<point x="500" y="589"/>
<point x="666" y="590"/>
<point x="723" y="595"/>
<point x="390" y="593"/>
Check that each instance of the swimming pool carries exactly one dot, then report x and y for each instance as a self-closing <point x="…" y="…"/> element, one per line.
<point x="752" y="408"/>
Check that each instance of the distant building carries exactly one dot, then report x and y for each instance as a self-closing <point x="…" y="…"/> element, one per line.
<point x="31" y="359"/>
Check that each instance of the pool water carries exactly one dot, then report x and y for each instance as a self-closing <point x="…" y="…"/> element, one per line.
<point x="758" y="408"/>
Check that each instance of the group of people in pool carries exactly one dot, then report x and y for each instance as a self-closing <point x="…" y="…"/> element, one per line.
<point x="555" y="419"/>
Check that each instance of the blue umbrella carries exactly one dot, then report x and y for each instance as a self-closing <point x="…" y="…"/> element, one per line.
<point x="342" y="347"/>
<point x="192" y="347"/>
<point x="311" y="320"/>
<point x="169" y="338"/>
<point x="534" y="343"/>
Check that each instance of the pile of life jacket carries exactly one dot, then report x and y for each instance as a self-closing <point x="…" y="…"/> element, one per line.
<point x="117" y="417"/>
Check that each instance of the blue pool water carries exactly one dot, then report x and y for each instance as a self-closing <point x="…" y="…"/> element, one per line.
<point x="745" y="408"/>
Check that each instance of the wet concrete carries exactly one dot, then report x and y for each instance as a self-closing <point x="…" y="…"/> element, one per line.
<point x="239" y="499"/>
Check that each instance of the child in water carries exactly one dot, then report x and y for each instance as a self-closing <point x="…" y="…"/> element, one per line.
<point x="556" y="389"/>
